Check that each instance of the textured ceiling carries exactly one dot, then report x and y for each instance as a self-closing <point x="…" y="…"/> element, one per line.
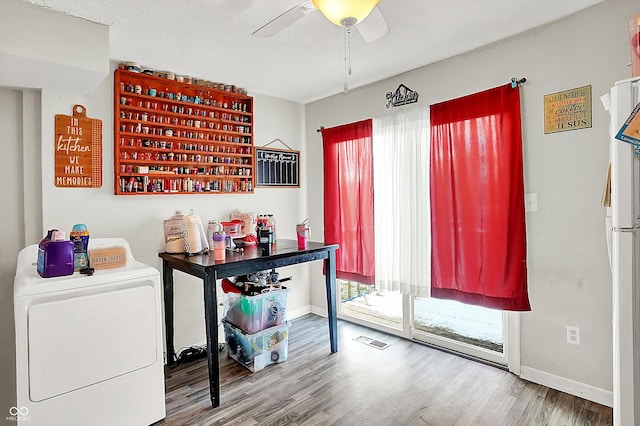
<point x="211" y="39"/>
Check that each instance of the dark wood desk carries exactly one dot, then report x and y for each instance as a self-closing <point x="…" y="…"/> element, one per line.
<point x="283" y="253"/>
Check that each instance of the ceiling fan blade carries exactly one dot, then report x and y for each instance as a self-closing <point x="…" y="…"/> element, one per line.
<point x="287" y="18"/>
<point x="373" y="26"/>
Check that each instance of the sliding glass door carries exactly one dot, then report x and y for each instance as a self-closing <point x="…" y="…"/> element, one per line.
<point x="365" y="305"/>
<point x="448" y="221"/>
<point x="472" y="330"/>
<point x="467" y="329"/>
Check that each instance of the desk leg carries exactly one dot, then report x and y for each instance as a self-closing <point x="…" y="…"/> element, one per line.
<point x="211" y="325"/>
<point x="167" y="280"/>
<point x="330" y="274"/>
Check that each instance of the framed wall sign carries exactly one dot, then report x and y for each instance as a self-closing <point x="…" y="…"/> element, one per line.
<point x="567" y="110"/>
<point x="277" y="167"/>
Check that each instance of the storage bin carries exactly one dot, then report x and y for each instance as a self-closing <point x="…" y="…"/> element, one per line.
<point x="232" y="227"/>
<point x="252" y="314"/>
<point x="256" y="351"/>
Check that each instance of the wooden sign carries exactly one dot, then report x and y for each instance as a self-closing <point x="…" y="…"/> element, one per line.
<point x="78" y="150"/>
<point x="277" y="167"/>
<point x="401" y="96"/>
<point x="567" y="110"/>
<point x="107" y="257"/>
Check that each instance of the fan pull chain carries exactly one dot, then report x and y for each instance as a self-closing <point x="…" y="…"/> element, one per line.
<point x="347" y="55"/>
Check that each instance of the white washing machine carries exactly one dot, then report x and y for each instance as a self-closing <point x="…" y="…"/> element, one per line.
<point x="89" y="348"/>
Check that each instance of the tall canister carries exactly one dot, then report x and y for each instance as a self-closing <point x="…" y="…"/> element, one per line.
<point x="219" y="245"/>
<point x="634" y="41"/>
<point x="80" y="237"/>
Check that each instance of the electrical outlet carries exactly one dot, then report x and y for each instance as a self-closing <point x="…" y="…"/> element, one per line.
<point x="573" y="335"/>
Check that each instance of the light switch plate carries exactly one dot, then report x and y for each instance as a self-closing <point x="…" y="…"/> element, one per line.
<point x="531" y="202"/>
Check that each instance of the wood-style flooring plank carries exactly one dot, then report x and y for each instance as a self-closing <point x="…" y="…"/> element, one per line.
<point x="404" y="384"/>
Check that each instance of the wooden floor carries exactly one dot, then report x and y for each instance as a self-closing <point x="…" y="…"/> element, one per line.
<point x="404" y="384"/>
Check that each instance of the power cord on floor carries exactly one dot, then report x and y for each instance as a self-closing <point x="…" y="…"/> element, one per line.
<point x="194" y="353"/>
<point x="191" y="354"/>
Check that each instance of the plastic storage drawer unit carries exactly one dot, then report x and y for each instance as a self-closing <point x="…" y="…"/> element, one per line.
<point x="252" y="314"/>
<point x="256" y="351"/>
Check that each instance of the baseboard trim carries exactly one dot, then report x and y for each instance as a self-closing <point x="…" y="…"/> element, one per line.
<point x="298" y="312"/>
<point x="318" y="310"/>
<point x="572" y="387"/>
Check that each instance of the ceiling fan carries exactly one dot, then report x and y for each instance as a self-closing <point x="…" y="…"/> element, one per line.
<point x="364" y="15"/>
<point x="371" y="25"/>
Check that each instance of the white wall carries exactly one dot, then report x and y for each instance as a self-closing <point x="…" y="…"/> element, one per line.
<point x="139" y="218"/>
<point x="12" y="239"/>
<point x="569" y="275"/>
<point x="20" y="216"/>
<point x="27" y="144"/>
<point x="69" y="53"/>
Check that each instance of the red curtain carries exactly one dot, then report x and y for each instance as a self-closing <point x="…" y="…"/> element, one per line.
<point x="477" y="201"/>
<point x="348" y="199"/>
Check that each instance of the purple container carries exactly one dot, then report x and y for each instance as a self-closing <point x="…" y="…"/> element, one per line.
<point x="55" y="258"/>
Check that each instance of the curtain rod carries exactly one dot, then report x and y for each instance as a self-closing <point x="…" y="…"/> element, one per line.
<point x="514" y="83"/>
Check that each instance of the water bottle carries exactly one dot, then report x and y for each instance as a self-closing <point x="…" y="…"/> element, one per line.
<point x="219" y="245"/>
<point x="212" y="227"/>
<point x="264" y="240"/>
<point x="303" y="233"/>
<point x="272" y="219"/>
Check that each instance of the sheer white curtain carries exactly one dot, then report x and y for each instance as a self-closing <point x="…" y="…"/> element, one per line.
<point x="401" y="202"/>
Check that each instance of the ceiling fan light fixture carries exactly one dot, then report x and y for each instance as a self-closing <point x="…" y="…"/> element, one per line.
<point x="345" y="13"/>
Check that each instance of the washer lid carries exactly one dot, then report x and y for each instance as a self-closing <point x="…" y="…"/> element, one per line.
<point x="29" y="282"/>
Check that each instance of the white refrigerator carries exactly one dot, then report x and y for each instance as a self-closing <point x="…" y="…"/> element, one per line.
<point x="625" y="258"/>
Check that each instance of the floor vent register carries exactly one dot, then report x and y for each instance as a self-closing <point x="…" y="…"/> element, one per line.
<point x="371" y="342"/>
